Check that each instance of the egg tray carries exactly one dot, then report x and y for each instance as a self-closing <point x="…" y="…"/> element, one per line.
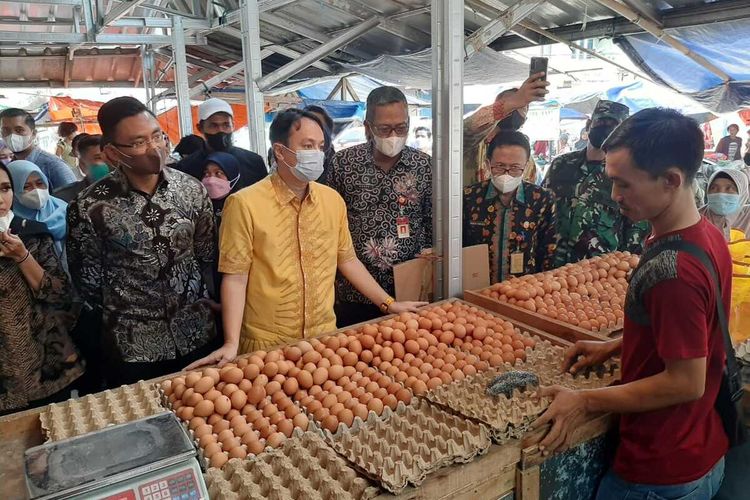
<point x="304" y="466"/>
<point x="507" y="418"/>
<point x="415" y="441"/>
<point x="510" y="418"/>
<point x="96" y="411"/>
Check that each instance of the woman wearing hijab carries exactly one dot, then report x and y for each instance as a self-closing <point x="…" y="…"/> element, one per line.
<point x="727" y="206"/>
<point x="221" y="177"/>
<point x="34" y="202"/>
<point x="38" y="361"/>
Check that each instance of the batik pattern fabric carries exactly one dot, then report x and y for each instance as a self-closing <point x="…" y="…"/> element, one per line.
<point x="142" y="259"/>
<point x="526" y="226"/>
<point x="589" y="220"/>
<point x="375" y="200"/>
<point x="37" y="355"/>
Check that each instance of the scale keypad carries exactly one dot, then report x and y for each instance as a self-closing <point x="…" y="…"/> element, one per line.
<point x="179" y="486"/>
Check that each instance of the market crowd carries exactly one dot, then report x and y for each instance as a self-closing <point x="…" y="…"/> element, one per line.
<point x="122" y="260"/>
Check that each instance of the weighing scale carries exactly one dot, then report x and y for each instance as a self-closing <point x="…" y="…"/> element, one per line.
<point x="148" y="459"/>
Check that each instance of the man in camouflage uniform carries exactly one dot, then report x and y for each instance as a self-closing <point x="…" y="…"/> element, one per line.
<point x="589" y="221"/>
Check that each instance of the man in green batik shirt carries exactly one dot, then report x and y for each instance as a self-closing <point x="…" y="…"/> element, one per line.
<point x="589" y="221"/>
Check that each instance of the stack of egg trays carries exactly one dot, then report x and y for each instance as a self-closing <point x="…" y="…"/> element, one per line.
<point x="412" y="442"/>
<point x="303" y="467"/>
<point x="96" y="411"/>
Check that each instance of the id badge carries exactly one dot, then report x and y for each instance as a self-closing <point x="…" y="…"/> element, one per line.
<point x="402" y="227"/>
<point x="516" y="263"/>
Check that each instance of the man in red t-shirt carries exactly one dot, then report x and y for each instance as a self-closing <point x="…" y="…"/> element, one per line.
<point x="672" y="442"/>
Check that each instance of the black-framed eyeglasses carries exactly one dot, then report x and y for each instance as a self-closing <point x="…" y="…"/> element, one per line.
<point x="402" y="129"/>
<point x="142" y="145"/>
<point x="513" y="170"/>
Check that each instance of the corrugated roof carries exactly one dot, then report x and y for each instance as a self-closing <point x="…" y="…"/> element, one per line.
<point x="287" y="29"/>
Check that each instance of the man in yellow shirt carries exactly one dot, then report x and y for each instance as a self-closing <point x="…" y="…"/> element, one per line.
<point x="282" y="241"/>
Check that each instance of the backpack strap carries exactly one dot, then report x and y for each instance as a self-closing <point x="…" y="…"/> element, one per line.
<point x="731" y="368"/>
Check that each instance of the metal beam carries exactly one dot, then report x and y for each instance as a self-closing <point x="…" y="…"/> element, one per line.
<point x="147" y="60"/>
<point x="447" y="127"/>
<point x="350" y="89"/>
<point x="184" y="112"/>
<point x="218" y="78"/>
<point x="499" y="26"/>
<point x="644" y="9"/>
<point x="168" y="11"/>
<point x="271" y="80"/>
<point x="80" y="40"/>
<point x="538" y="29"/>
<point x="394" y="27"/>
<point x="118" y="10"/>
<point x="660" y="34"/>
<point x="250" y="25"/>
<point x="47" y="2"/>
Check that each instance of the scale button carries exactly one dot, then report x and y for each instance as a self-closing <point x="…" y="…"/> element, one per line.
<point x="148" y="497"/>
<point x="163" y="485"/>
<point x="146" y="489"/>
<point x="156" y="495"/>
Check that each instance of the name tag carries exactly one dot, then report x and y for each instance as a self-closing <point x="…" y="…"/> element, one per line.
<point x="402" y="227"/>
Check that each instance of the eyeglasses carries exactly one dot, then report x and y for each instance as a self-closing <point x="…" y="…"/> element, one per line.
<point x="499" y="169"/>
<point x="385" y="130"/>
<point x="141" y="145"/>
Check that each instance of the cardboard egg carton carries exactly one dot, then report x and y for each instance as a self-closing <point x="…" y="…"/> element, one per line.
<point x="507" y="418"/>
<point x="96" y="411"/>
<point x="304" y="466"/>
<point x="510" y="418"/>
<point x="415" y="440"/>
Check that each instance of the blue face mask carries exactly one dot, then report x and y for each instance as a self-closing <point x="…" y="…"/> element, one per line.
<point x="723" y="203"/>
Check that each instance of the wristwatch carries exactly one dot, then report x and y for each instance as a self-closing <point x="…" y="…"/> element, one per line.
<point x="386" y="304"/>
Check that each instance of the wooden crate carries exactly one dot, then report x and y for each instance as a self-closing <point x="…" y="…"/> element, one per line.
<point x="555" y="327"/>
<point x="18" y="432"/>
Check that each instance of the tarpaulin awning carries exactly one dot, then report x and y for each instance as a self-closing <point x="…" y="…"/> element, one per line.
<point x="485" y="67"/>
<point x="637" y="96"/>
<point x="82" y="112"/>
<point x="339" y="110"/>
<point x="171" y="124"/>
<point x="723" y="44"/>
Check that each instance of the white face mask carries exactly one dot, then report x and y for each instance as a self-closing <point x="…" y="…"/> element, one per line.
<point x="18" y="143"/>
<point x="34" y="199"/>
<point x="390" y="146"/>
<point x="506" y="183"/>
<point x="5" y="221"/>
<point x="309" y="164"/>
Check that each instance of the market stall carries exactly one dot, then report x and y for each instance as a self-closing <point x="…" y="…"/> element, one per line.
<point x="398" y="408"/>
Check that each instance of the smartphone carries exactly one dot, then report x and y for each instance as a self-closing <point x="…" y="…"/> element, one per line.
<point x="538" y="65"/>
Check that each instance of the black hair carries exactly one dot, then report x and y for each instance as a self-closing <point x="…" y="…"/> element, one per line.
<point x="735" y="126"/>
<point x="190" y="144"/>
<point x="77" y="139"/>
<point x="14" y="112"/>
<point x="507" y="137"/>
<point x="5" y="169"/>
<point x="659" y="139"/>
<point x="382" y="96"/>
<point x="89" y="141"/>
<point x="66" y="128"/>
<point x="287" y="120"/>
<point x="327" y="120"/>
<point x="115" y="111"/>
<point x="429" y="132"/>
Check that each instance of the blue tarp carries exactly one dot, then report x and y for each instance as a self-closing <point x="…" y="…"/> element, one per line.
<point x="722" y="44"/>
<point x="339" y="110"/>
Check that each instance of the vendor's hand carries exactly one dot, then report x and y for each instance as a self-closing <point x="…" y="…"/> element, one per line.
<point x="586" y="353"/>
<point x="399" y="307"/>
<point x="533" y="89"/>
<point x="223" y="355"/>
<point x="11" y="246"/>
<point x="212" y="304"/>
<point x="566" y="413"/>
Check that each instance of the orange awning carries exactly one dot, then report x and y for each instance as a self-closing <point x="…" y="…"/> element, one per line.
<point x="171" y="125"/>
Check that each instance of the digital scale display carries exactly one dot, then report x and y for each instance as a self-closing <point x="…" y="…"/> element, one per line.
<point x="180" y="485"/>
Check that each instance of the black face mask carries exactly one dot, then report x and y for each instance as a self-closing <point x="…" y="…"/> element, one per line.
<point x="598" y="134"/>
<point x="514" y="121"/>
<point x="219" y="142"/>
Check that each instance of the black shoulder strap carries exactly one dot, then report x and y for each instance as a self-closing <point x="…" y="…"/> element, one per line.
<point x="683" y="246"/>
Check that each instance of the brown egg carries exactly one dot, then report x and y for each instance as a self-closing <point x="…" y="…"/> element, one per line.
<point x="196" y="422"/>
<point x="212" y="394"/>
<point x="255" y="447"/>
<point x="213" y="419"/>
<point x="320" y="375"/>
<point x="335" y="372"/>
<point x="375" y="405"/>
<point x="211" y="449"/>
<point x="404" y="395"/>
<point x="272" y="388"/>
<point x="232" y="376"/>
<point x="213" y="373"/>
<point x="290" y="386"/>
<point x="285" y="427"/>
<point x="330" y="423"/>
<point x="300" y="420"/>
<point x="229" y="389"/>
<point x="191" y="378"/>
<point x="360" y="411"/>
<point x="193" y="400"/>
<point x="270" y="409"/>
<point x="166" y="386"/>
<point x="219" y="459"/>
<point x="255" y="395"/>
<point x="251" y="371"/>
<point x="202" y="430"/>
<point x="237" y="452"/>
<point x="275" y="439"/>
<point x="276" y="418"/>
<point x="222" y="405"/>
<point x="204" y="409"/>
<point x="390" y="401"/>
<point x="419" y="387"/>
<point x="305" y="379"/>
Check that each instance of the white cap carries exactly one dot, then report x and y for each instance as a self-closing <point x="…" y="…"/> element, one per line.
<point x="210" y="107"/>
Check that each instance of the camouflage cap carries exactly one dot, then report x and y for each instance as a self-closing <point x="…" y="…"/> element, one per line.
<point x="610" y="109"/>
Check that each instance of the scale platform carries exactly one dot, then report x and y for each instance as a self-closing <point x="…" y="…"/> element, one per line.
<point x="148" y="459"/>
